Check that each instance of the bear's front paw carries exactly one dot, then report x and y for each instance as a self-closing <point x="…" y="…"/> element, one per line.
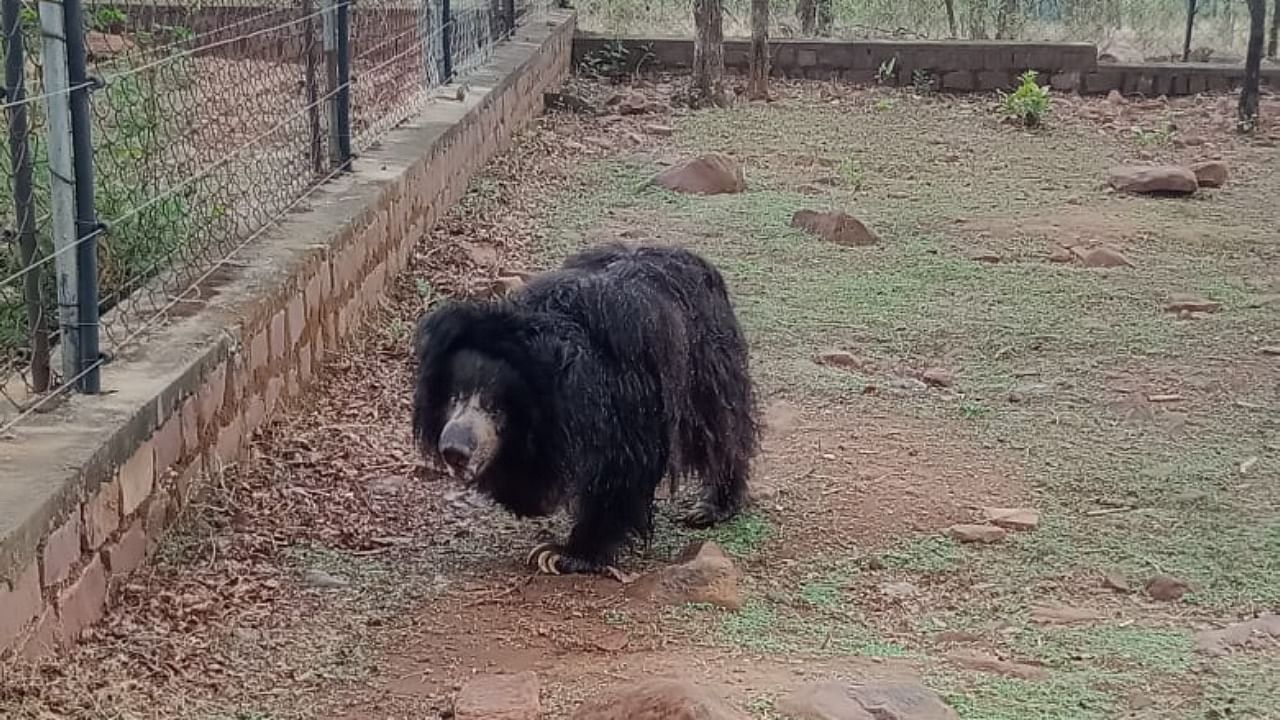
<point x="550" y="559"/>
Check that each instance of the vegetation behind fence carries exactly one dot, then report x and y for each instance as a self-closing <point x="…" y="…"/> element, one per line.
<point x="147" y="142"/>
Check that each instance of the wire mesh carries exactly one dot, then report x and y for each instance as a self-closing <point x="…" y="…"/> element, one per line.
<point x="211" y="119"/>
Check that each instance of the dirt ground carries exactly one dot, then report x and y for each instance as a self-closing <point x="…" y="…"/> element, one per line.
<point x="333" y="576"/>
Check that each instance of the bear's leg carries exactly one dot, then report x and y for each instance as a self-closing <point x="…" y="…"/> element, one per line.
<point x="607" y="517"/>
<point x="724" y="492"/>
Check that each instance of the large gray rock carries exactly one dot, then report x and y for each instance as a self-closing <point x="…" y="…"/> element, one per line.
<point x="834" y="700"/>
<point x="659" y="699"/>
<point x="1153" y="180"/>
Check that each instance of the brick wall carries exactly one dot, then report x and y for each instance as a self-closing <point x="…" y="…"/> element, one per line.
<point x="87" y="490"/>
<point x="953" y="66"/>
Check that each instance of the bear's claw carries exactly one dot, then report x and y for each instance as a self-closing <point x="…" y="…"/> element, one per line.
<point x="549" y="559"/>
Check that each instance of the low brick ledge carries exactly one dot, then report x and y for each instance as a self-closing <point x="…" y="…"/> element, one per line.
<point x="87" y="490"/>
<point x="954" y="65"/>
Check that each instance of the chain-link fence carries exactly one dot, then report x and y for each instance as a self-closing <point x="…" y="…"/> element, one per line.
<point x="147" y="141"/>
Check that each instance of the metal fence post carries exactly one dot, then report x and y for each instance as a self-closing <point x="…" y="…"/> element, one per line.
<point x="337" y="53"/>
<point x="310" y="79"/>
<point x="24" y="205"/>
<point x="509" y="14"/>
<point x="446" y="41"/>
<point x="62" y="190"/>
<point x="87" y="228"/>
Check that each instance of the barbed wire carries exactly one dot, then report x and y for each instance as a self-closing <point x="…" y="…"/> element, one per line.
<point x="210" y="121"/>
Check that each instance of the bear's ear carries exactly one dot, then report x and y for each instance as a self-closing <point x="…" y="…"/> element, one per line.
<point x="440" y="328"/>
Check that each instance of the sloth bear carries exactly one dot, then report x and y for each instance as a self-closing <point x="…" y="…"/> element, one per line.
<point x="586" y="388"/>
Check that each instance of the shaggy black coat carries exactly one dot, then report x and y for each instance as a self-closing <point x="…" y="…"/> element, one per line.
<point x="625" y="365"/>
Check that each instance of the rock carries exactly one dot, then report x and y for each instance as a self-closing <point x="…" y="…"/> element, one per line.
<point x="632" y="103"/>
<point x="1104" y="257"/>
<point x="837" y="227"/>
<point x="985" y="256"/>
<point x="1012" y="518"/>
<point x="988" y="663"/>
<point x="1273" y="350"/>
<point x="1153" y="180"/>
<point x="658" y="699"/>
<point x="1166" y="588"/>
<point x="966" y="533"/>
<point x="938" y="377"/>
<point x="322" y="579"/>
<point x="1210" y="173"/>
<point x="834" y="700"/>
<point x="1052" y="614"/>
<point x="1179" y="303"/>
<point x="660" y="130"/>
<point x="499" y="697"/>
<point x="840" y="359"/>
<point x="709" y="174"/>
<point x="1116" y="581"/>
<point x="1115" y="97"/>
<point x="1261" y="633"/>
<point x="1061" y="255"/>
<point x="507" y="284"/>
<point x="703" y="574"/>
<point x="899" y="590"/>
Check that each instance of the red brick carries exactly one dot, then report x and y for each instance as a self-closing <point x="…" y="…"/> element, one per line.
<point x="83" y="603"/>
<point x="259" y="353"/>
<point x="187" y="481"/>
<point x="304" y="365"/>
<point x="44" y="639"/>
<point x="279" y="335"/>
<point x="190" y="426"/>
<point x="168" y="443"/>
<point x="212" y="394"/>
<point x="137" y="477"/>
<point x="20" y="603"/>
<point x="230" y="437"/>
<point x="126" y="554"/>
<point x="297" y="319"/>
<point x="255" y="411"/>
<point x="275" y="388"/>
<point x="101" y="514"/>
<point x="61" y="551"/>
<point x="159" y="515"/>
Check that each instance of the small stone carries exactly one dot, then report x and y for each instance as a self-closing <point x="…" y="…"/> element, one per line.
<point x="1180" y="303"/>
<point x="836" y="227"/>
<point x="703" y="574"/>
<point x="1116" y="581"/>
<point x="660" y="130"/>
<point x="499" y="697"/>
<point x="1167" y="588"/>
<point x="1153" y="180"/>
<point x="985" y="256"/>
<point x="1115" y="97"/>
<point x="1261" y="632"/>
<point x="938" y="377"/>
<point x="879" y="700"/>
<point x="1012" y="518"/>
<point x="991" y="664"/>
<point x="1052" y="614"/>
<point x="899" y="590"/>
<point x="709" y="174"/>
<point x="1270" y="350"/>
<point x="322" y="579"/>
<point x="840" y="359"/>
<point x="967" y="533"/>
<point x="657" y="699"/>
<point x="1104" y="257"/>
<point x="507" y="284"/>
<point x="1061" y="255"/>
<point x="1210" y="173"/>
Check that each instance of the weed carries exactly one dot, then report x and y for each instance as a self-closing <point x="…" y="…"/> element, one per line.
<point x="1158" y="136"/>
<point x="888" y="71"/>
<point x="923" y="81"/>
<point x="1029" y="104"/>
<point x="851" y="173"/>
<point x="928" y="554"/>
<point x="744" y="535"/>
<point x="970" y="410"/>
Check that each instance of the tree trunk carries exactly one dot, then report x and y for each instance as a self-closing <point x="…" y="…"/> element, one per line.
<point x="708" y="53"/>
<point x="1191" y="23"/>
<point x="825" y="17"/>
<point x="1248" y="114"/>
<point x="1272" y="48"/>
<point x="758" y="79"/>
<point x="807" y="14"/>
<point x="951" y="17"/>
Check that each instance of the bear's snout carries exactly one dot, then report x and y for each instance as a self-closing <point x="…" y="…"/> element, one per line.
<point x="457" y="445"/>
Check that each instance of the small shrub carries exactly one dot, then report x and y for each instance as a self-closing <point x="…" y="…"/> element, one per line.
<point x="922" y="81"/>
<point x="888" y="71"/>
<point x="1029" y="104"/>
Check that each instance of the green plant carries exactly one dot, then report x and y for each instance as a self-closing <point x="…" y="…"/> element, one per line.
<point x="922" y="81"/>
<point x="1158" y="136"/>
<point x="108" y="19"/>
<point x="1029" y="104"/>
<point x="614" y="59"/>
